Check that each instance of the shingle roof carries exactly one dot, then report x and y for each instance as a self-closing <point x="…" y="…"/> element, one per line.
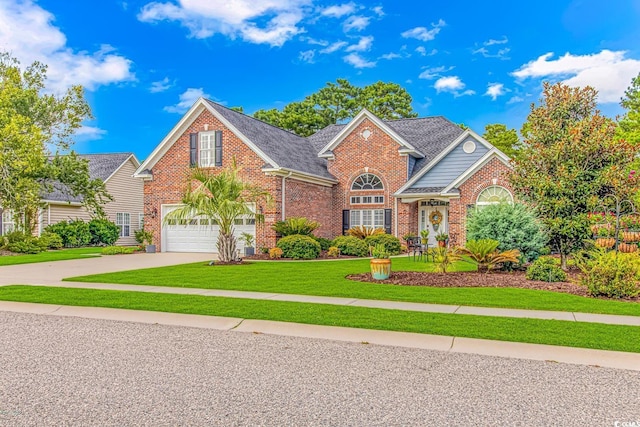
<point x="287" y="149"/>
<point x="101" y="166"/>
<point x="430" y="135"/>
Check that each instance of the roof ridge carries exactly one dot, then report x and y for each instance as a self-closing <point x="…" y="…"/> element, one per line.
<point x="253" y="118"/>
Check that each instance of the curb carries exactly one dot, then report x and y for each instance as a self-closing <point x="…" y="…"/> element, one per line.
<point x="540" y="352"/>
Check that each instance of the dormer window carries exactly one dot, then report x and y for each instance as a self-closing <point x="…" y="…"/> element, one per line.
<point x="367" y="181"/>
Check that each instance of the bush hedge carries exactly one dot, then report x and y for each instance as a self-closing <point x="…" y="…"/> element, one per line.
<point x="391" y="243"/>
<point x="117" y="250"/>
<point x="325" y="244"/>
<point x="298" y="246"/>
<point x="546" y="269"/>
<point x="103" y="232"/>
<point x="514" y="226"/>
<point x="77" y="233"/>
<point x="611" y="274"/>
<point x="350" y="245"/>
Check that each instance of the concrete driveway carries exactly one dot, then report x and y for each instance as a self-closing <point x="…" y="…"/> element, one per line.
<point x="46" y="273"/>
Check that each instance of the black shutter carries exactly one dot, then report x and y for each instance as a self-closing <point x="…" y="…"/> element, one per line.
<point x="218" y="148"/>
<point x="193" y="149"/>
<point x="387" y="221"/>
<point x="345" y="221"/>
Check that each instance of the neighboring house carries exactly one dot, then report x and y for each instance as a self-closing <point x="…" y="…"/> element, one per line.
<point x="397" y="174"/>
<point x="126" y="209"/>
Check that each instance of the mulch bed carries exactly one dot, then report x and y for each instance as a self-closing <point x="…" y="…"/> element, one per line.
<point x="495" y="279"/>
<point x="265" y="257"/>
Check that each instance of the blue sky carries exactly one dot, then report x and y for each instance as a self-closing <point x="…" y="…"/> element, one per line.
<point x="145" y="62"/>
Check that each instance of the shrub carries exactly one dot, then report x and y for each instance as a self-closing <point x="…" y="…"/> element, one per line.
<point x="546" y="269"/>
<point x="298" y="246"/>
<point x="50" y="240"/>
<point x="362" y="232"/>
<point x="391" y="243"/>
<point x="117" y="250"/>
<point x="333" y="252"/>
<point x="295" y="225"/>
<point x="144" y="237"/>
<point x="325" y="244"/>
<point x="611" y="274"/>
<point x="103" y="232"/>
<point x="486" y="255"/>
<point x="444" y="257"/>
<point x="23" y="243"/>
<point x="275" y="253"/>
<point x="350" y="245"/>
<point x="514" y="226"/>
<point x="73" y="233"/>
<point x="264" y="250"/>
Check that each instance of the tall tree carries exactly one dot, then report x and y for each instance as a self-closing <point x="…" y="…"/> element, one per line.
<point x="222" y="197"/>
<point x="629" y="123"/>
<point x="506" y="140"/>
<point x="338" y="102"/>
<point x="34" y="127"/>
<point x="570" y="161"/>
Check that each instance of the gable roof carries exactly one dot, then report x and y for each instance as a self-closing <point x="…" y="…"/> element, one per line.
<point x="288" y="150"/>
<point x="101" y="166"/>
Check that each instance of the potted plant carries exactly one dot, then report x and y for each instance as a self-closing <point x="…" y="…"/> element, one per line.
<point x="408" y="237"/>
<point x="248" y="240"/>
<point x="424" y="234"/>
<point x="380" y="263"/>
<point x="442" y="239"/>
<point x="147" y="240"/>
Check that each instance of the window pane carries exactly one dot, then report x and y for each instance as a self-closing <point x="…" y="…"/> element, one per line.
<point x="250" y="221"/>
<point x="367" y="218"/>
<point x="379" y="218"/>
<point x="238" y="221"/>
<point x="355" y="218"/>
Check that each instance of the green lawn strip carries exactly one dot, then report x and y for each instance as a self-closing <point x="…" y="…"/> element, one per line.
<point x="554" y="332"/>
<point x="58" y="255"/>
<point x="328" y="279"/>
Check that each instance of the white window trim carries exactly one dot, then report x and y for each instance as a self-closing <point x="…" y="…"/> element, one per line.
<point x="123" y="221"/>
<point x="479" y="203"/>
<point x="359" y="200"/>
<point x="211" y="150"/>
<point x="356" y="218"/>
<point x="8" y="222"/>
<point x="375" y="177"/>
<point x="140" y="221"/>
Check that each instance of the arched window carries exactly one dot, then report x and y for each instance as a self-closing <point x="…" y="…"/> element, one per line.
<point x="367" y="181"/>
<point x="494" y="194"/>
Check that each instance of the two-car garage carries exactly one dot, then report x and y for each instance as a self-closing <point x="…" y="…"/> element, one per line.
<point x="198" y="234"/>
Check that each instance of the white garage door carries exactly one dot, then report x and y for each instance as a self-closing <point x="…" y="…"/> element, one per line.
<point x="199" y="234"/>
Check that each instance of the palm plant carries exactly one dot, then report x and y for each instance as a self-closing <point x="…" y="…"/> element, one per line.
<point x="222" y="197"/>
<point x="485" y="253"/>
<point x="362" y="232"/>
<point x="444" y="257"/>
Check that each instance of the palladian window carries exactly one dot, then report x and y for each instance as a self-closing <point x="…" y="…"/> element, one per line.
<point x="367" y="181"/>
<point x="493" y="195"/>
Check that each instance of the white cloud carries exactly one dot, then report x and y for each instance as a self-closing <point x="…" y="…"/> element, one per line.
<point x="433" y="72"/>
<point x="608" y="71"/>
<point x="452" y="84"/>
<point x="307" y="56"/>
<point x="338" y="11"/>
<point x="423" y="34"/>
<point x="313" y="41"/>
<point x="378" y="10"/>
<point x="89" y="133"/>
<point x="500" y="53"/>
<point x="204" y="18"/>
<point x="494" y="90"/>
<point x="161" y="85"/>
<point x="358" y="62"/>
<point x="334" y="47"/>
<point x="356" y="22"/>
<point x="515" y="99"/>
<point x="363" y="45"/>
<point x="186" y="100"/>
<point x="28" y="33"/>
<point x="391" y="55"/>
<point x="491" y="42"/>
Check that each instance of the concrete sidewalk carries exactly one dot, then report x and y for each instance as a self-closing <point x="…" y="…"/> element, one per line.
<point x="609" y="319"/>
<point x="579" y="356"/>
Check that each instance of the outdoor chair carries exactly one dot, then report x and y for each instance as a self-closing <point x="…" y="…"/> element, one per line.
<point x="415" y="247"/>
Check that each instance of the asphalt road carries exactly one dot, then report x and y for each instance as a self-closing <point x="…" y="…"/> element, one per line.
<point x="72" y="371"/>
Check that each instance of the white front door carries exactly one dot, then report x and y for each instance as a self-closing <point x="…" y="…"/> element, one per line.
<point x="425" y="216"/>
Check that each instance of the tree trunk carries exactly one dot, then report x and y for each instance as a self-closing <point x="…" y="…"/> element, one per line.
<point x="563" y="261"/>
<point x="226" y="247"/>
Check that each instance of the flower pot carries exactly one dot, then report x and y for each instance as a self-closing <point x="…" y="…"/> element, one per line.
<point x="249" y="251"/>
<point x="627" y="248"/>
<point x="151" y="249"/>
<point x="605" y="242"/>
<point x="442" y="243"/>
<point x="380" y="268"/>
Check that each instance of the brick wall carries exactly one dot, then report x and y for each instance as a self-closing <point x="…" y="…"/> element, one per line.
<point x="493" y="173"/>
<point x="311" y="201"/>
<point x="378" y="154"/>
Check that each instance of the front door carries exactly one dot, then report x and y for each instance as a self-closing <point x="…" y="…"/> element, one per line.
<point x="434" y="219"/>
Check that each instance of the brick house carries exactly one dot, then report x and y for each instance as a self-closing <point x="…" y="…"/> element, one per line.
<point x="403" y="175"/>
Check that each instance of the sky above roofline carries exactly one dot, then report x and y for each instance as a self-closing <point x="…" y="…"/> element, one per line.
<point x="144" y="63"/>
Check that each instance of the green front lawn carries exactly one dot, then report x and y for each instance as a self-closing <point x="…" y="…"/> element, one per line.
<point x="59" y="255"/>
<point x="328" y="279"/>
<point x="554" y="332"/>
